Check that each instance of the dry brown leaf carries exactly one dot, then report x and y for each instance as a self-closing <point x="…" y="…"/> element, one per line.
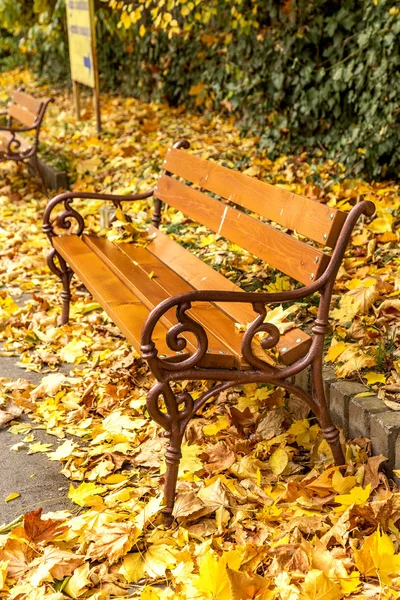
<point x="39" y="530"/>
<point x="218" y="457"/>
<point x="272" y="424"/>
<point x="187" y="504"/>
<point x="19" y="554"/>
<point x="54" y="564"/>
<point x="11" y="412"/>
<point x="111" y="541"/>
<point x="371" y="473"/>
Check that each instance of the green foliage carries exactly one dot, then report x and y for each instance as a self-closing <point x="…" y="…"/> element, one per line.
<point x="9" y="52"/>
<point x="315" y="75"/>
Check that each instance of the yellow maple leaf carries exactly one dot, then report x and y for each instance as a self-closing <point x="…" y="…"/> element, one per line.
<point x="364" y="296"/>
<point x="7" y="306"/>
<point x="354" y="360"/>
<point x="281" y="284"/>
<point x="278" y="316"/>
<point x="49" y="386"/>
<point x="159" y="558"/>
<point x="373" y="377"/>
<point x="221" y="423"/>
<point x="249" y="585"/>
<point x="38" y="447"/>
<point x="377" y="558"/>
<point x="278" y="461"/>
<point x="79" y="581"/>
<point x="190" y="461"/>
<point x="63" y="451"/>
<point x="382" y="224"/>
<point x="332" y="568"/>
<point x="213" y="579"/>
<point x="360" y="239"/>
<point x="151" y="508"/>
<point x="89" y="165"/>
<point x="84" y="491"/>
<point x="318" y="587"/>
<point x="350" y="583"/>
<point x="357" y="495"/>
<point x="54" y="563"/>
<point x="72" y="352"/>
<point x="132" y="567"/>
<point x="207" y="240"/>
<point x="341" y="484"/>
<point x="335" y="351"/>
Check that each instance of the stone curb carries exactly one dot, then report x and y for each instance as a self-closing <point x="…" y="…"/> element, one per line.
<point x="367" y="416"/>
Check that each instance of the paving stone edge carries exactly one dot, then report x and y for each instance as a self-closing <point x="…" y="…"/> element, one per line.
<point x="365" y="416"/>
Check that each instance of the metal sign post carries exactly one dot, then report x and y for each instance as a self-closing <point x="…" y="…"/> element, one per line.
<point x="82" y="52"/>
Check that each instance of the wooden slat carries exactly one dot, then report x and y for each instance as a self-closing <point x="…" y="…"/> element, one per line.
<point x="27" y="101"/>
<point x="127" y="312"/>
<point x="132" y="266"/>
<point x="292" y="345"/>
<point x="307" y="217"/>
<point x="22" y="115"/>
<point x="300" y="261"/>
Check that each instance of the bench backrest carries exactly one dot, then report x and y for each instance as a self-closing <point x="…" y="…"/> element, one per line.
<point x="26" y="109"/>
<point x="303" y="216"/>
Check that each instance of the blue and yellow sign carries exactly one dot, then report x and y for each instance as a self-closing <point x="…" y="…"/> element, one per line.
<point x="81" y="37"/>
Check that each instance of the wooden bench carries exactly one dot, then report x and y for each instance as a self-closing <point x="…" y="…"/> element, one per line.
<point x="183" y="319"/>
<point x="28" y="112"/>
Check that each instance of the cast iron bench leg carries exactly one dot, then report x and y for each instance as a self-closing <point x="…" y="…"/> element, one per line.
<point x="329" y="430"/>
<point x="65" y="274"/>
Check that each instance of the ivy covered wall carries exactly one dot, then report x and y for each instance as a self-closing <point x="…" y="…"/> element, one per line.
<point x="304" y="74"/>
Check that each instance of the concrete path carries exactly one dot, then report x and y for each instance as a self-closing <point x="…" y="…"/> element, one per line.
<point x="34" y="476"/>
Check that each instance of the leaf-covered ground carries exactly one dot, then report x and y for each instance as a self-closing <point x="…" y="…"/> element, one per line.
<point x="261" y="512"/>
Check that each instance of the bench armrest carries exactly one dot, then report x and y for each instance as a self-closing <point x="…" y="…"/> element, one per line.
<point x="186" y="324"/>
<point x="183" y="302"/>
<point x="63" y="220"/>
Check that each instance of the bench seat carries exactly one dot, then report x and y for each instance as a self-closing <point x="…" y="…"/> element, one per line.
<point x="129" y="281"/>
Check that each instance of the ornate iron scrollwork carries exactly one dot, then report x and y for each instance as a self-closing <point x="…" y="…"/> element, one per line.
<point x="174" y="417"/>
<point x="176" y="342"/>
<point x="259" y="326"/>
<point x="14" y="144"/>
<point x="63" y="220"/>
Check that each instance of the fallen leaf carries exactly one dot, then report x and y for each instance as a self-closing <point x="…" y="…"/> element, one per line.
<point x="279" y="461"/>
<point x="84" y="491"/>
<point x="39" y="530"/>
<point x="11" y="412"/>
<point x="12" y="496"/>
<point x="111" y="541"/>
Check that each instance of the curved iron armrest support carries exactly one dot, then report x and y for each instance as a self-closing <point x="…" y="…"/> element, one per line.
<point x="185" y="324"/>
<point x="13" y="141"/>
<point x="63" y="220"/>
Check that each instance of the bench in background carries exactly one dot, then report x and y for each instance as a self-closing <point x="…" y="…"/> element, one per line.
<point x="28" y="112"/>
